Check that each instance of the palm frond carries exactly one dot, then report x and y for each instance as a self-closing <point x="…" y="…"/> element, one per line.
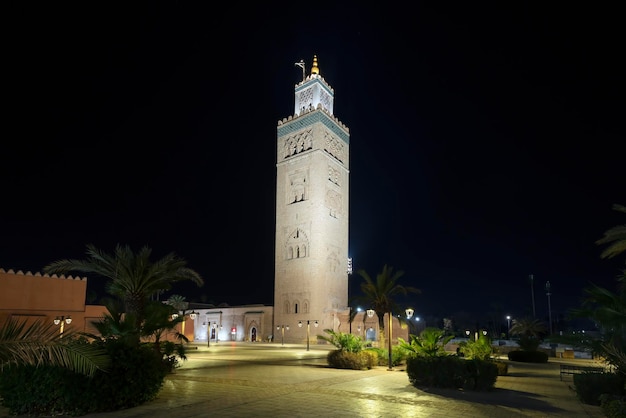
<point x="40" y="343"/>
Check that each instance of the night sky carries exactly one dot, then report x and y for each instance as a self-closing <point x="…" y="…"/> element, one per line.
<point x="486" y="142"/>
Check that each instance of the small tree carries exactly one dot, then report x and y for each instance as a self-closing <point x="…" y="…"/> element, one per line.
<point x="478" y="349"/>
<point x="343" y="341"/>
<point x="531" y="332"/>
<point x="431" y="342"/>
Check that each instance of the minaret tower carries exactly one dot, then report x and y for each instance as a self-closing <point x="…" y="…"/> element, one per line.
<point x="312" y="173"/>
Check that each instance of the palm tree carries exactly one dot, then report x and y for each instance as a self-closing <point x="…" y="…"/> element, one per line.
<point x="615" y="237"/>
<point x="430" y="343"/>
<point x="606" y="308"/>
<point x="531" y="332"/>
<point x="178" y="302"/>
<point x="40" y="343"/>
<point x="380" y="294"/>
<point x="134" y="278"/>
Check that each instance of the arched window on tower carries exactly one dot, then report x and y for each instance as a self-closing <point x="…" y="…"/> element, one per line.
<point x="295" y="307"/>
<point x="286" y="307"/>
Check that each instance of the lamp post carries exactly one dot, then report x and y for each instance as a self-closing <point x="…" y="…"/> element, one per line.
<point x="467" y="332"/>
<point x="208" y="333"/>
<point x="191" y="315"/>
<point x="548" y="293"/>
<point x="508" y="327"/>
<point x="370" y="313"/>
<point x="209" y="327"/>
<point x="409" y="314"/>
<point x="282" y="329"/>
<point x="62" y="320"/>
<point x="308" y="330"/>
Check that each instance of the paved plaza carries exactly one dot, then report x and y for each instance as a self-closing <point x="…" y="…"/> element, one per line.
<point x="273" y="380"/>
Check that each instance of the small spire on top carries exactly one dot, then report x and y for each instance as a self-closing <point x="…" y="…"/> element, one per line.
<point x="315" y="69"/>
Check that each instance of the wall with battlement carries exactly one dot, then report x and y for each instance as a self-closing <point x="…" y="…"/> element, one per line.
<point x="41" y="296"/>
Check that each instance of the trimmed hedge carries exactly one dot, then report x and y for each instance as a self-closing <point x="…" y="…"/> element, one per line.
<point x="363" y="360"/>
<point x="452" y="372"/>
<point x="591" y="386"/>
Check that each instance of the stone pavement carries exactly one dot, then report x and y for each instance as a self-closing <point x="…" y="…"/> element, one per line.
<point x="273" y="380"/>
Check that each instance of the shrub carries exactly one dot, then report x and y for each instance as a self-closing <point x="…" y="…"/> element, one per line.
<point x="430" y="342"/>
<point x="398" y="356"/>
<point x="479" y="349"/>
<point x="613" y="406"/>
<point x="590" y="386"/>
<point x="451" y="372"/>
<point x="343" y="341"/>
<point x="503" y="368"/>
<point x="481" y="374"/>
<point x="339" y="359"/>
<point x="136" y="376"/>
<point x="528" y="356"/>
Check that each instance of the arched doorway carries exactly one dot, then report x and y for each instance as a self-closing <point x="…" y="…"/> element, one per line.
<point x="253" y="334"/>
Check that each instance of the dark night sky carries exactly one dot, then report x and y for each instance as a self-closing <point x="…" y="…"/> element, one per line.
<point x="486" y="141"/>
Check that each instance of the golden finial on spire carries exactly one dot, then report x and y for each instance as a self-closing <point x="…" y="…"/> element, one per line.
<point x="314" y="69"/>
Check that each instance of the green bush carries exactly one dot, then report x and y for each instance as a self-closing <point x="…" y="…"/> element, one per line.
<point x="481" y="374"/>
<point x="613" y="406"/>
<point x="339" y="359"/>
<point x="451" y="372"/>
<point x="480" y="349"/>
<point x="503" y="368"/>
<point x="398" y="356"/>
<point x="528" y="356"/>
<point x="590" y="386"/>
<point x="343" y="341"/>
<point x="136" y="376"/>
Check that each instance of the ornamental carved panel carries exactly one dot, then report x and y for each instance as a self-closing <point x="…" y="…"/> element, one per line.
<point x="297" y="143"/>
<point x="334" y="146"/>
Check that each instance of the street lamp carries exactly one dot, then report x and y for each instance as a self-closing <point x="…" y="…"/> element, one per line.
<point x="508" y="327"/>
<point x="209" y="327"/>
<point x="62" y="320"/>
<point x="308" y="330"/>
<point x="548" y="293"/>
<point x="212" y="328"/>
<point x="282" y="329"/>
<point x="467" y="332"/>
<point x="191" y="315"/>
<point x="370" y="313"/>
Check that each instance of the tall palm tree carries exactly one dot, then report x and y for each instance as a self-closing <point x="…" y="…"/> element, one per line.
<point x="40" y="343"/>
<point x="615" y="237"/>
<point x="132" y="277"/>
<point x="380" y="294"/>
<point x="606" y="308"/>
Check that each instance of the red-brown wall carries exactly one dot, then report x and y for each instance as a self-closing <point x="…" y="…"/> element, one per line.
<point x="36" y="296"/>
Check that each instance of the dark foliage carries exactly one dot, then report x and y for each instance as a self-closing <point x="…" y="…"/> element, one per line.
<point x="451" y="372"/>
<point x="362" y="360"/>
<point x="591" y="386"/>
<point x="136" y="376"/>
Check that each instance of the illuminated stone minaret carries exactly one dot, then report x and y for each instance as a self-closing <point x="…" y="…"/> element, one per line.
<point x="312" y="179"/>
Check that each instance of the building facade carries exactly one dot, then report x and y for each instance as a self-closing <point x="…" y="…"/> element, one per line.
<point x="312" y="184"/>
